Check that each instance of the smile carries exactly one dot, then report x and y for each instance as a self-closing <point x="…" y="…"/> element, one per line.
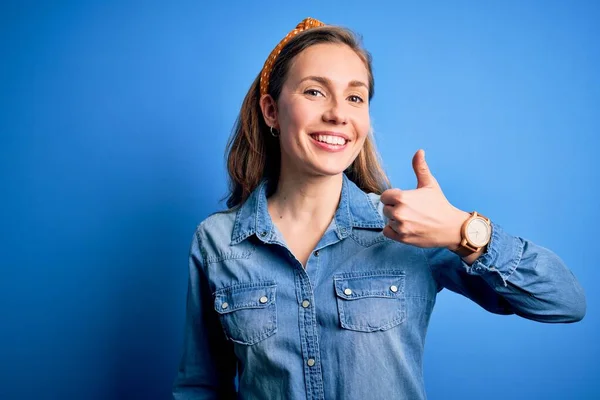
<point x="329" y="142"/>
<point x="330" y="139"/>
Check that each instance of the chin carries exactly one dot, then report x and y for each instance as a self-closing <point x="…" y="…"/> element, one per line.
<point x="329" y="170"/>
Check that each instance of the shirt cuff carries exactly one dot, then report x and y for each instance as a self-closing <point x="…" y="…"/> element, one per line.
<point x="502" y="256"/>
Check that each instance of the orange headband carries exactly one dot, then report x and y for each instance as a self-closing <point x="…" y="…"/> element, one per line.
<point x="306" y="24"/>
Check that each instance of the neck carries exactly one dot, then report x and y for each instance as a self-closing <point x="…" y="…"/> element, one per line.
<point x="306" y="200"/>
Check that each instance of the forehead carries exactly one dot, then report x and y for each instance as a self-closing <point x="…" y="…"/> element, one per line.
<point x="337" y="62"/>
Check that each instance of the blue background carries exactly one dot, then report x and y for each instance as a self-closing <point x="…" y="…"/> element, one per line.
<point x="113" y="123"/>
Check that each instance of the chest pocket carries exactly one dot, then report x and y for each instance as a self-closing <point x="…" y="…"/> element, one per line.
<point x="370" y="301"/>
<point x="247" y="311"/>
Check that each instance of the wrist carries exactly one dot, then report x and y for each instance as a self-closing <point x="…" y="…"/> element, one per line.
<point x="457" y="224"/>
<point x="475" y="234"/>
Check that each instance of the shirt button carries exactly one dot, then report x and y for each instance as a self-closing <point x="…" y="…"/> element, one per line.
<point x="394" y="288"/>
<point x="310" y="362"/>
<point x="224" y="305"/>
<point x="263" y="233"/>
<point x="263" y="299"/>
<point x="305" y="303"/>
<point x="348" y="292"/>
<point x="316" y="253"/>
<point x="343" y="230"/>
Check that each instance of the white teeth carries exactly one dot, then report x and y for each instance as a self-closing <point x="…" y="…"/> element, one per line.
<point x="335" y="140"/>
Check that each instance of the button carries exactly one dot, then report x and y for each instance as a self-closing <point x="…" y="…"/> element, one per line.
<point x="224" y="305"/>
<point x="347" y="292"/>
<point x="263" y="233"/>
<point x="316" y="253"/>
<point x="311" y="362"/>
<point x="305" y="303"/>
<point x="263" y="299"/>
<point x="394" y="288"/>
<point x="343" y="230"/>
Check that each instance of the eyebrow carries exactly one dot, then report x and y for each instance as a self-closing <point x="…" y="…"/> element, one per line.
<point x="324" y="81"/>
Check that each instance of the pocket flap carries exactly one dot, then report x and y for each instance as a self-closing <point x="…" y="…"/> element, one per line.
<point x="241" y="296"/>
<point x="357" y="285"/>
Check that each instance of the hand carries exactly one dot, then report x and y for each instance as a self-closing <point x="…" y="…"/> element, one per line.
<point x="422" y="217"/>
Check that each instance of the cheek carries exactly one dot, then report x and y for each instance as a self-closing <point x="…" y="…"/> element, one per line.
<point x="300" y="115"/>
<point x="363" y="126"/>
<point x="296" y="114"/>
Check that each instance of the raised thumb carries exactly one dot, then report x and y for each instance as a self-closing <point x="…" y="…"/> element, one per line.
<point x="422" y="172"/>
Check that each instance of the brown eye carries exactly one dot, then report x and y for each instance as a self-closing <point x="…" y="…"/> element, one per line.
<point x="356" y="99"/>
<point x="313" y="92"/>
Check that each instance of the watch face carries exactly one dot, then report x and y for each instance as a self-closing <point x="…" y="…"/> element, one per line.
<point x="478" y="232"/>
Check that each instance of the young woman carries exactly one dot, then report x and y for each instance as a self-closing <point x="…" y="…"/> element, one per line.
<point x="319" y="281"/>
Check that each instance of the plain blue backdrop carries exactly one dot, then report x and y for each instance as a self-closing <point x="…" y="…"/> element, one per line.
<point x="113" y="124"/>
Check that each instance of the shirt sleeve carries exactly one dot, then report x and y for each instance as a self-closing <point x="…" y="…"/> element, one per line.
<point x="513" y="276"/>
<point x="208" y="366"/>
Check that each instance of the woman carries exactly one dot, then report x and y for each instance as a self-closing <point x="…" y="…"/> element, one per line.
<point x="319" y="281"/>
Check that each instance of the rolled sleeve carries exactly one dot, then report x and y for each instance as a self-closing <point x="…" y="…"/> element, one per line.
<point x="502" y="257"/>
<point x="514" y="275"/>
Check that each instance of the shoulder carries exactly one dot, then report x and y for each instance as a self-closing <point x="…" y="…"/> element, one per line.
<point x="217" y="225"/>
<point x="215" y="237"/>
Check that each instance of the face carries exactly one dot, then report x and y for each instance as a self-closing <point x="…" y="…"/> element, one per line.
<point x="323" y="111"/>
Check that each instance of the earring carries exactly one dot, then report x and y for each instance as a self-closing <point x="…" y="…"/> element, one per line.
<point x="272" y="133"/>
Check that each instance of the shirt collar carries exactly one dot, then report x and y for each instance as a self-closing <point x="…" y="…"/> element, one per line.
<point x="355" y="210"/>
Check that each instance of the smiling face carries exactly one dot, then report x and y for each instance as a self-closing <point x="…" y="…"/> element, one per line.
<point x="322" y="112"/>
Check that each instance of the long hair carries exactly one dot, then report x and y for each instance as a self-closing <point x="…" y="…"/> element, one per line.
<point x="253" y="154"/>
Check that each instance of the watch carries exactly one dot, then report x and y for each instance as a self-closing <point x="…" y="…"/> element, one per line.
<point x="475" y="233"/>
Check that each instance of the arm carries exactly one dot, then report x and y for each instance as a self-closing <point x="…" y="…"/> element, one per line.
<point x="207" y="367"/>
<point x="512" y="276"/>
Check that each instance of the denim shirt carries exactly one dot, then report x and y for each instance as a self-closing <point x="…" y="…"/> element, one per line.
<point x="352" y="324"/>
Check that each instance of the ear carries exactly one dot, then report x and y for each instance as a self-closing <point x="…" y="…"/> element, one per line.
<point x="269" y="110"/>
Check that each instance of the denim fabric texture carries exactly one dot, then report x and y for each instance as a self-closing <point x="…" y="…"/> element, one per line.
<point x="352" y="324"/>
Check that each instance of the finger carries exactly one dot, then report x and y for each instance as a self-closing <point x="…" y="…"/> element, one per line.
<point x="422" y="171"/>
<point x="389" y="232"/>
<point x="389" y="211"/>
<point x="391" y="196"/>
<point x="395" y="225"/>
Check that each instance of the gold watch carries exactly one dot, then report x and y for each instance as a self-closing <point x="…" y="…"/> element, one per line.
<point x="475" y="233"/>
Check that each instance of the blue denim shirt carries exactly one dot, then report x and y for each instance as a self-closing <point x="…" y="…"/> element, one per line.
<point x="352" y="324"/>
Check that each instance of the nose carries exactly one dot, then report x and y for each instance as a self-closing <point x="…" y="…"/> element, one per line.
<point x="335" y="114"/>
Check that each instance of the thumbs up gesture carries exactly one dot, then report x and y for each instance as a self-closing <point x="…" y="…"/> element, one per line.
<point x="423" y="216"/>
